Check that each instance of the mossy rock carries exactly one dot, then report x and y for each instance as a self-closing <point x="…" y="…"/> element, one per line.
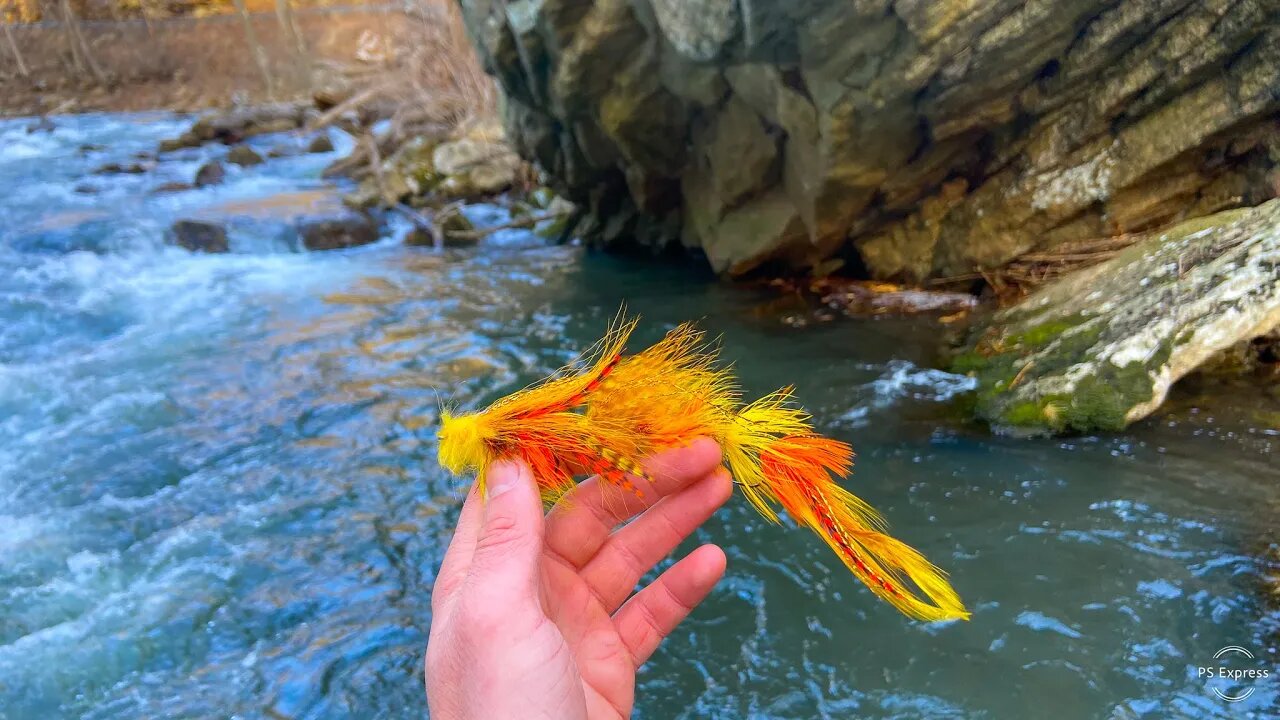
<point x="1099" y="349"/>
<point x="456" y="230"/>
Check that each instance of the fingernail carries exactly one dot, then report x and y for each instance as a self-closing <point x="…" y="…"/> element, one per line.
<point x="503" y="476"/>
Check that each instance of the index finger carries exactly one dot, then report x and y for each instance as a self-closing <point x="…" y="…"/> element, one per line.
<point x="582" y="520"/>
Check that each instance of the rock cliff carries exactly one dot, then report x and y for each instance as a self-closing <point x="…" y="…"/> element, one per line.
<point x="919" y="139"/>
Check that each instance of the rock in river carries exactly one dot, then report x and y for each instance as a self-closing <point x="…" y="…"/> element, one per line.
<point x="244" y="156"/>
<point x="334" y="232"/>
<point x="210" y="173"/>
<point x="320" y="144"/>
<point x="236" y="124"/>
<point x="454" y="228"/>
<point x="1100" y="348"/>
<point x="199" y="236"/>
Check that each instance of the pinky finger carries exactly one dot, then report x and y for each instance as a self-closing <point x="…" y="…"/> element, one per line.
<point x="654" y="612"/>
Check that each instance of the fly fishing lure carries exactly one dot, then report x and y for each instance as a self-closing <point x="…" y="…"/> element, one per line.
<point x="605" y="413"/>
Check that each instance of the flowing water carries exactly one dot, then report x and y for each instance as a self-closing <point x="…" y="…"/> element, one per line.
<point x="218" y="493"/>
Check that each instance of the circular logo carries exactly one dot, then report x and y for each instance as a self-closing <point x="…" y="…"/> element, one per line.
<point x="1238" y="667"/>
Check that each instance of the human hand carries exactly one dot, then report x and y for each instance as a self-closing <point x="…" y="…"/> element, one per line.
<point x="531" y="616"/>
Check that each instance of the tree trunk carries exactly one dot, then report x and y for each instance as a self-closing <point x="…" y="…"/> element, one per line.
<point x="259" y="53"/>
<point x="284" y="15"/>
<point x="289" y="29"/>
<point x="80" y="52"/>
<point x="921" y="141"/>
<point x="17" y="54"/>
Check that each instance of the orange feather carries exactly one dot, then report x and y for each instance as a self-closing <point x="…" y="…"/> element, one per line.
<point x="617" y="409"/>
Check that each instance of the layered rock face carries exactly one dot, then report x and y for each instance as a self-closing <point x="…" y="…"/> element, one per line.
<point x="921" y="138"/>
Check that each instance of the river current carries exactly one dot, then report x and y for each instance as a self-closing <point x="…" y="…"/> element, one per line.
<point x="219" y="497"/>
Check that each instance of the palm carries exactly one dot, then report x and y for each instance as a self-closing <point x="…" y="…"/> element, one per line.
<point x="582" y="639"/>
<point x="596" y="658"/>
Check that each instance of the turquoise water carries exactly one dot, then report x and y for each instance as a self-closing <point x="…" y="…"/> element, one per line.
<point x="218" y="494"/>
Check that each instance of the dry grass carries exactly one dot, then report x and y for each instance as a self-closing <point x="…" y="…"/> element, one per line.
<point x="427" y="80"/>
<point x="443" y="81"/>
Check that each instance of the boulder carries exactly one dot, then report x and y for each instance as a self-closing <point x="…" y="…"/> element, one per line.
<point x="474" y="166"/>
<point x="234" y="125"/>
<point x="929" y="139"/>
<point x="244" y="156"/>
<point x="210" y="173"/>
<point x="199" y="236"/>
<point x="341" y="230"/>
<point x="408" y="173"/>
<point x="320" y="144"/>
<point x="1100" y="348"/>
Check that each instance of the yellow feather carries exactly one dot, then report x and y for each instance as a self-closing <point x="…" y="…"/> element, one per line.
<point x="608" y="411"/>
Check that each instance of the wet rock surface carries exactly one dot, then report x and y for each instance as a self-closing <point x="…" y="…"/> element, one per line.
<point x="451" y="228"/>
<point x="320" y="144"/>
<point x="171" y="187"/>
<point x="933" y="139"/>
<point x="337" y="231"/>
<point x="1100" y="348"/>
<point x="211" y="173"/>
<point x="244" y="156"/>
<point x="234" y="125"/>
<point x="199" y="236"/>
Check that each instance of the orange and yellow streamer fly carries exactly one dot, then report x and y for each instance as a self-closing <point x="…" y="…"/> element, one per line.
<point x="610" y="410"/>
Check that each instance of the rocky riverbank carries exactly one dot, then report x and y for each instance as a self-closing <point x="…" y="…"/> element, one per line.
<point x="426" y="181"/>
<point x="983" y="147"/>
<point x="1100" y="348"/>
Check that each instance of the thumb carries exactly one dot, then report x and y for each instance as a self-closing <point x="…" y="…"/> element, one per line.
<point x="510" y="538"/>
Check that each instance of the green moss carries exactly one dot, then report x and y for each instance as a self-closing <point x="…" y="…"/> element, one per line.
<point x="1006" y="394"/>
<point x="967" y="362"/>
<point x="1041" y="335"/>
<point x="1025" y="414"/>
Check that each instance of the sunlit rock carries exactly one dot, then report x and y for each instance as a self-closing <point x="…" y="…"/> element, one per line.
<point x="1100" y="348"/>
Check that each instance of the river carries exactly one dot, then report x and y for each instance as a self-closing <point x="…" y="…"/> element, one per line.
<point x="219" y="497"/>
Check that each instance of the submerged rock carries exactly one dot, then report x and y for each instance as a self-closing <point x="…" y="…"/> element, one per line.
<point x="320" y="144"/>
<point x="1100" y="348"/>
<point x="342" y="230"/>
<point x="171" y="187"/>
<point x="121" y="169"/>
<point x="210" y="173"/>
<point x="199" y="236"/>
<point x="244" y="156"/>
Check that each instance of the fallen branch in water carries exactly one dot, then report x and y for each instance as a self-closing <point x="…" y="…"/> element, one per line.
<point x="423" y="223"/>
<point x="517" y="223"/>
<point x="352" y="103"/>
